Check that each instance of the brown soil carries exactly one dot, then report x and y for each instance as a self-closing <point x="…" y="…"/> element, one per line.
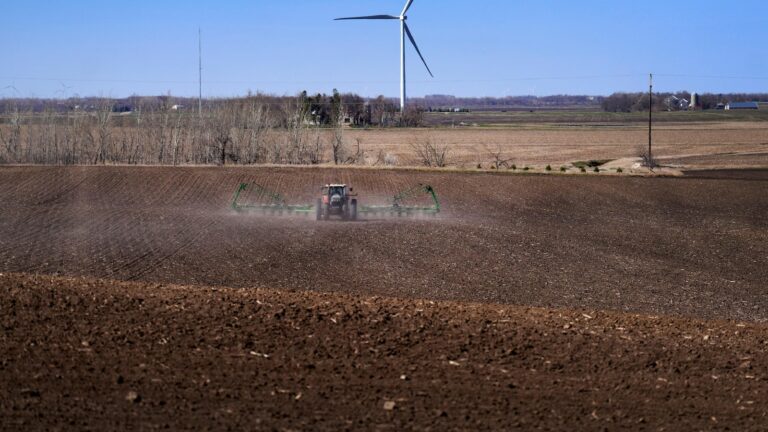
<point x="545" y="269"/>
<point x="694" y="247"/>
<point x="736" y="174"/>
<point x="97" y="355"/>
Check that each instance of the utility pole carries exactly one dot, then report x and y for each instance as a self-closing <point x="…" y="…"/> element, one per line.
<point x="650" y="123"/>
<point x="200" y="72"/>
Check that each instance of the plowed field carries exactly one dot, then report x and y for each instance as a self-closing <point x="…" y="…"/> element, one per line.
<point x="95" y="355"/>
<point x="692" y="247"/>
<point x="584" y="252"/>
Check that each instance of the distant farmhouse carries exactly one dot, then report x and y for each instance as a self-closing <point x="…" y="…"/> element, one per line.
<point x="742" y="106"/>
<point x="675" y="103"/>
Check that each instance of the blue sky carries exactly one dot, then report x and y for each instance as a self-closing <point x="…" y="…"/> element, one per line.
<point x="475" y="48"/>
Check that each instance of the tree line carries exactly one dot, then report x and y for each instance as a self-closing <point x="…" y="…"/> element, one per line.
<point x="257" y="129"/>
<point x="382" y="109"/>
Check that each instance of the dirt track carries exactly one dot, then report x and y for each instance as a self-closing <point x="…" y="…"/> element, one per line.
<point x="695" y="247"/>
<point x="74" y="352"/>
<point x="585" y="249"/>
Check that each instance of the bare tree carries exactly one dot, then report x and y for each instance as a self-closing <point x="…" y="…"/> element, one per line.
<point x="497" y="159"/>
<point x="74" y="134"/>
<point x="222" y="139"/>
<point x="221" y="126"/>
<point x="412" y="117"/>
<point x="337" y="144"/>
<point x="12" y="143"/>
<point x="257" y="126"/>
<point x="337" y="121"/>
<point x="383" y="111"/>
<point x="3" y="143"/>
<point x="646" y="159"/>
<point x="101" y="137"/>
<point x="314" y="152"/>
<point x="359" y="156"/>
<point x="44" y="139"/>
<point x="296" y="137"/>
<point x="430" y="154"/>
<point x="303" y="137"/>
<point x="176" y="132"/>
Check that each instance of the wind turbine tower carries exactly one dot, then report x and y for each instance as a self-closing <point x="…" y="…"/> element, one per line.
<point x="404" y="31"/>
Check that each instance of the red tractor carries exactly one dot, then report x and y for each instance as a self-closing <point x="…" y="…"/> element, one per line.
<point x="337" y="200"/>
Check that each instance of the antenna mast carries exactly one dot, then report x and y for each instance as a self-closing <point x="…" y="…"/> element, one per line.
<point x="200" y="72"/>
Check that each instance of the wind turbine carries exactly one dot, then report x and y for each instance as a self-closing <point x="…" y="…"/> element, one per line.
<point x="404" y="31"/>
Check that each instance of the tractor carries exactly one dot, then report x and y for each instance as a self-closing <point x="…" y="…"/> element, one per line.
<point x="336" y="200"/>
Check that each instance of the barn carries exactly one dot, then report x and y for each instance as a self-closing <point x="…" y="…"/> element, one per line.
<point x="742" y="106"/>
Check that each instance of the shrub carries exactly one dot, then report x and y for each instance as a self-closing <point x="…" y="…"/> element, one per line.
<point x="390" y="159"/>
<point x="583" y="169"/>
<point x="526" y="169"/>
<point x="479" y="166"/>
<point x="619" y="170"/>
<point x="597" y="169"/>
<point x="563" y="169"/>
<point x="513" y="167"/>
<point x="549" y="168"/>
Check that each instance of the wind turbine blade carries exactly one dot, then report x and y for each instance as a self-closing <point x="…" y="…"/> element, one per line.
<point x="413" y="41"/>
<point x="407" y="6"/>
<point x="370" y="17"/>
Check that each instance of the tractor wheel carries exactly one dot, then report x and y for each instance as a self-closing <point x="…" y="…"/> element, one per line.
<point x="319" y="209"/>
<point x="353" y="210"/>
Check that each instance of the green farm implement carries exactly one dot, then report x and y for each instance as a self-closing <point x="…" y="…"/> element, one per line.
<point x="337" y="200"/>
<point x="252" y="197"/>
<point x="402" y="203"/>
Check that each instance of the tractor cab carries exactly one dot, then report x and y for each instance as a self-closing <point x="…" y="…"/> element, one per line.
<point x="336" y="199"/>
<point x="334" y="194"/>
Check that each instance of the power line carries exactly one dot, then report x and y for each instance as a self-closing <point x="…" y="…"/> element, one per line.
<point x="136" y="81"/>
<point x="480" y="80"/>
<point x="733" y="77"/>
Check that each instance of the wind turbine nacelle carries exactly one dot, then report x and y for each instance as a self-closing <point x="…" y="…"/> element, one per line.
<point x="404" y="32"/>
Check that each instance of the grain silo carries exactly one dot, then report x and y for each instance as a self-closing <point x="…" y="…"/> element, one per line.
<point x="695" y="103"/>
